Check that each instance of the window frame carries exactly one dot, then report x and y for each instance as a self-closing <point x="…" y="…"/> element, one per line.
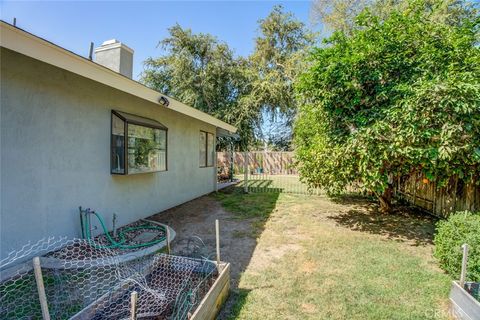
<point x="149" y="123"/>
<point x="206" y="149"/>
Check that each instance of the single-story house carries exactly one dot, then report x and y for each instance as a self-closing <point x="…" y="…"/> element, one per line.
<point x="80" y="132"/>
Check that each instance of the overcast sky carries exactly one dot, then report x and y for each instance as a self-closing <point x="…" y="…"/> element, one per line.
<point x="142" y="24"/>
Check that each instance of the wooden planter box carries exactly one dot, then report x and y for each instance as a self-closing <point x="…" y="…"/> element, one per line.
<point x="207" y="309"/>
<point x="464" y="306"/>
<point x="215" y="297"/>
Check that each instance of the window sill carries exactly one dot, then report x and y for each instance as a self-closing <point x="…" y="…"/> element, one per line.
<point x="136" y="173"/>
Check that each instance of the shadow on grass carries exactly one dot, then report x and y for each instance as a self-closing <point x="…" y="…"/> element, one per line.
<point x="260" y="183"/>
<point x="236" y="301"/>
<point x="252" y="205"/>
<point x="403" y="224"/>
<point x="243" y="218"/>
<point x="264" y="185"/>
<point x="253" y="208"/>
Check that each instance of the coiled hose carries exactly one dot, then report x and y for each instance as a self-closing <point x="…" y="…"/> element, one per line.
<point x="121" y="234"/>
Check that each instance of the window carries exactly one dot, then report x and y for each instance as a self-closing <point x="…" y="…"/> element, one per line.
<point x="203" y="149"/>
<point x="207" y="152"/>
<point x="139" y="144"/>
<point x="210" y="151"/>
<point x="118" y="145"/>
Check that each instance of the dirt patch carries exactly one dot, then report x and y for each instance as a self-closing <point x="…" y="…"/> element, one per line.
<point x="237" y="237"/>
<point x="309" y="308"/>
<point x="265" y="257"/>
<point x="308" y="267"/>
<point x="197" y="219"/>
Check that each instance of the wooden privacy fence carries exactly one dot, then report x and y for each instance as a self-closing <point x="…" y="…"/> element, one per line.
<point x="454" y="196"/>
<point x="278" y="171"/>
<point x="259" y="162"/>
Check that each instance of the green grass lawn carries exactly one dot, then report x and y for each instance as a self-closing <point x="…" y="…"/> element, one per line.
<point x="276" y="183"/>
<point x="322" y="259"/>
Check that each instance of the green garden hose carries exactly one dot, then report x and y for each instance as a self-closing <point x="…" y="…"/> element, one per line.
<point x="121" y="234"/>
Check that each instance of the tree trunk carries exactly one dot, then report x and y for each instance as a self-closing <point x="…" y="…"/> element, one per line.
<point x="386" y="200"/>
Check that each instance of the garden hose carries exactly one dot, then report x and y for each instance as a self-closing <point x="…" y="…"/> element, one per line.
<point x="121" y="234"/>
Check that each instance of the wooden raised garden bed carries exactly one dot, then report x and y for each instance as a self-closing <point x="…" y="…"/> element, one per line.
<point x="215" y="297"/>
<point x="464" y="305"/>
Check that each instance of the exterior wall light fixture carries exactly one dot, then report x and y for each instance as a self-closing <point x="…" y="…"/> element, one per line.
<point x="163" y="101"/>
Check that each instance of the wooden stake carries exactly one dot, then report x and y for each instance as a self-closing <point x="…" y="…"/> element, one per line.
<point x="245" y="176"/>
<point x="217" y="234"/>
<point x="232" y="163"/>
<point x="41" y="288"/>
<point x="215" y="165"/>
<point x="463" y="274"/>
<point x="168" y="240"/>
<point x="133" y="305"/>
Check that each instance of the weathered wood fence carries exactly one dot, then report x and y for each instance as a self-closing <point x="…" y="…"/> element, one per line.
<point x="417" y="190"/>
<point x="454" y="196"/>
<point x="266" y="162"/>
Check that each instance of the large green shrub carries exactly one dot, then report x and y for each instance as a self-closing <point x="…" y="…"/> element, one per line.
<point x="399" y="95"/>
<point x="460" y="228"/>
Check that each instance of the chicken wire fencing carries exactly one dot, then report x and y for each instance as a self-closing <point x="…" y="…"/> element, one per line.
<point x="83" y="280"/>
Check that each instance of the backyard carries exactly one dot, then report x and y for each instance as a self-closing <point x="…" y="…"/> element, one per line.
<point x="310" y="257"/>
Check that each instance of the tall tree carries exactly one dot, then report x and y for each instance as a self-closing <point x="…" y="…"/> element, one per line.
<point x="398" y="96"/>
<point x="275" y="63"/>
<point x="341" y="15"/>
<point x="196" y="68"/>
<point x="203" y="72"/>
<point x="337" y="15"/>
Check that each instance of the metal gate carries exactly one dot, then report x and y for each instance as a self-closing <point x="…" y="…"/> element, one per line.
<point x="262" y="171"/>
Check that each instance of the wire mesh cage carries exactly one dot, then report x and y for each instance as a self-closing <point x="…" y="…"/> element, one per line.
<point x="83" y="280"/>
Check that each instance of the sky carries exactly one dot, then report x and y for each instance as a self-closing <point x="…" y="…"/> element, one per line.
<point x="142" y="24"/>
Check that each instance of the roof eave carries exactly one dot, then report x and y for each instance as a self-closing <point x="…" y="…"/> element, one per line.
<point x="23" y="42"/>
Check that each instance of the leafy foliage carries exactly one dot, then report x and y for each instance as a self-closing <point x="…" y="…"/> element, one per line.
<point x="337" y="15"/>
<point x="197" y="69"/>
<point x="460" y="228"/>
<point x="341" y="15"/>
<point x="277" y="60"/>
<point x="201" y="71"/>
<point x="398" y="95"/>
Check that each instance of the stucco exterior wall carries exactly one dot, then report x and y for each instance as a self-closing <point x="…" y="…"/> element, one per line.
<point x="55" y="154"/>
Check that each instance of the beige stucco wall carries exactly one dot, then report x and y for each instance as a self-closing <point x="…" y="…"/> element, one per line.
<point x="55" y="154"/>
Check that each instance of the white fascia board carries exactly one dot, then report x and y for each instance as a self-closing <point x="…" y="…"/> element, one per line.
<point x="32" y="46"/>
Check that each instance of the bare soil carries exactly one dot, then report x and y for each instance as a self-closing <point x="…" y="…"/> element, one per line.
<point x="197" y="218"/>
